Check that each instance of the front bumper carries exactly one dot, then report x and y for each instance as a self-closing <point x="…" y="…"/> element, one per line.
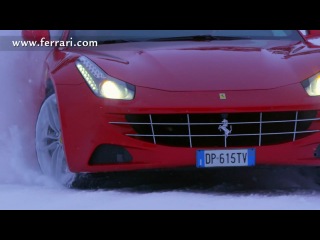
<point x="86" y="119"/>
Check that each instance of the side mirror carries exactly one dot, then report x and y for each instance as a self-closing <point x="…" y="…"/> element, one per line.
<point x="36" y="35"/>
<point x="312" y="34"/>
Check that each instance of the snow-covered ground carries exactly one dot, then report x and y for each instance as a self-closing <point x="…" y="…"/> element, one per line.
<point x="265" y="189"/>
<point x="22" y="186"/>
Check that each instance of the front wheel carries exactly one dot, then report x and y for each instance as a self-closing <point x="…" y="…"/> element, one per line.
<point x="49" y="144"/>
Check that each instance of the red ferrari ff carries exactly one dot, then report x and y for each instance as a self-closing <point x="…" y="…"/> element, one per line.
<point x="144" y="99"/>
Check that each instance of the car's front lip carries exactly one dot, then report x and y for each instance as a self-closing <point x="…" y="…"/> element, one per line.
<point x="86" y="124"/>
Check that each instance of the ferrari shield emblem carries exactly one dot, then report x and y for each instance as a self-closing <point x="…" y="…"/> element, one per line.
<point x="222" y="96"/>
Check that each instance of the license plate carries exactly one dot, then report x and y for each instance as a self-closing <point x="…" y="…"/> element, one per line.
<point x="226" y="158"/>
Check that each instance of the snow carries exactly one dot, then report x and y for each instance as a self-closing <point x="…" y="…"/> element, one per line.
<point x="36" y="197"/>
<point x="23" y="186"/>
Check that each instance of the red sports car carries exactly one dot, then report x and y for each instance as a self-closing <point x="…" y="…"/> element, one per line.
<point x="145" y="99"/>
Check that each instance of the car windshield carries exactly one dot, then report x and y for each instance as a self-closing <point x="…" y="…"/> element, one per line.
<point x="118" y="36"/>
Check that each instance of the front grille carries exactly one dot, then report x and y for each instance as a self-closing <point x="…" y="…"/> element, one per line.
<point x="208" y="130"/>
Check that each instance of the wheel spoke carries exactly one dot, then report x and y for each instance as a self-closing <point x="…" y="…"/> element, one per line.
<point x="53" y="116"/>
<point x="60" y="160"/>
<point x="52" y="146"/>
<point x="54" y="161"/>
<point x="52" y="136"/>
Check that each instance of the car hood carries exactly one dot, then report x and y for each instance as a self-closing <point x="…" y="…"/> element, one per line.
<point x="206" y="66"/>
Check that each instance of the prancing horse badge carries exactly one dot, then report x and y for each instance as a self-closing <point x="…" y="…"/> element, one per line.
<point x="222" y="96"/>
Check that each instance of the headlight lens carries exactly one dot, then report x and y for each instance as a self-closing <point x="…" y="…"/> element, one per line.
<point x="101" y="83"/>
<point x="312" y="85"/>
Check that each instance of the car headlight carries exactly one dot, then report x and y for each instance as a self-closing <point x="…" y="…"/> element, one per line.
<point x="312" y="85"/>
<point x="101" y="83"/>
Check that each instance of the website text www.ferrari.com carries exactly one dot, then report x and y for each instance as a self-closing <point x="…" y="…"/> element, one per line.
<point x="54" y="43"/>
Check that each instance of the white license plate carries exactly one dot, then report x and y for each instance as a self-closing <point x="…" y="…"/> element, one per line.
<point x="226" y="158"/>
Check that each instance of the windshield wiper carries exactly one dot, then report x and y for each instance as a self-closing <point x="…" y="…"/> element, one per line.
<point x="115" y="41"/>
<point x="197" y="38"/>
